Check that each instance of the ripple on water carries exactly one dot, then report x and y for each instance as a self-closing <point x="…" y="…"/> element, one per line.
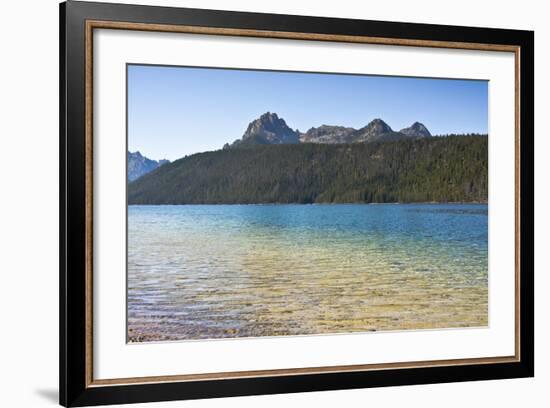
<point x="197" y="272"/>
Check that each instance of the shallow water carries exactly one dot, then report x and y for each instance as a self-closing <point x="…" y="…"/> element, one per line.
<point x="214" y="271"/>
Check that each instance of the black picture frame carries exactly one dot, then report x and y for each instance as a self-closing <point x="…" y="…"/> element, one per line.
<point x="75" y="389"/>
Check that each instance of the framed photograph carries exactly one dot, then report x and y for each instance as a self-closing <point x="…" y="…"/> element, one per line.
<point x="256" y="203"/>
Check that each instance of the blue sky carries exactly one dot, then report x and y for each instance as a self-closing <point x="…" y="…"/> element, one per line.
<point x="177" y="111"/>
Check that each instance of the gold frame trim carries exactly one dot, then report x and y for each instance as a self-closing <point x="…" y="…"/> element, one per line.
<point x="99" y="24"/>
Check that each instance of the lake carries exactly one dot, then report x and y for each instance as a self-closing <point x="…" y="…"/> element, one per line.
<point x="219" y="271"/>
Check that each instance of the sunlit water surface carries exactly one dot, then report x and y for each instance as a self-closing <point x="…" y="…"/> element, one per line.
<point x="215" y="271"/>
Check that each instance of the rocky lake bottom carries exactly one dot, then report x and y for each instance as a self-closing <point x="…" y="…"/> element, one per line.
<point x="225" y="271"/>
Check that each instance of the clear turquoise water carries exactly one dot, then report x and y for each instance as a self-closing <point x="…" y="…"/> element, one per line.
<point x="214" y="271"/>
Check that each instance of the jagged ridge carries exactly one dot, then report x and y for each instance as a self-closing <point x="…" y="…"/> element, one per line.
<point x="139" y="165"/>
<point x="269" y="128"/>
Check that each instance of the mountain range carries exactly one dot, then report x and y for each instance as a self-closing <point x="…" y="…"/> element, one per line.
<point x="270" y="129"/>
<point x="138" y="165"/>
<point x="273" y="163"/>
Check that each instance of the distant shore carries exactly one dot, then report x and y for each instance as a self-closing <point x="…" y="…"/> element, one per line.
<point x="353" y="203"/>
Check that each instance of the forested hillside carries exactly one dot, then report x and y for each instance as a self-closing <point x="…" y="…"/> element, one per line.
<point x="439" y="169"/>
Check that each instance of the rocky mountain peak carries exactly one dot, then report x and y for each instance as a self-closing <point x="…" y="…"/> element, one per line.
<point x="416" y="130"/>
<point x="268" y="129"/>
<point x="327" y="134"/>
<point x="138" y="165"/>
<point x="379" y="126"/>
<point x="376" y="130"/>
<point x="269" y="117"/>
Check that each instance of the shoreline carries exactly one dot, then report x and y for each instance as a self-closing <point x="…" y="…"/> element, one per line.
<point x="355" y="203"/>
